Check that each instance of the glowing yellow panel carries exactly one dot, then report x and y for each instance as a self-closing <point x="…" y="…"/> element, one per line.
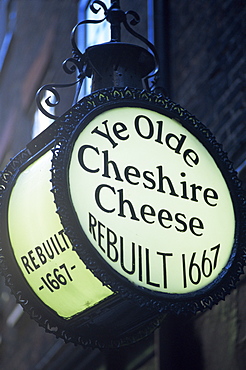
<point x="42" y="250"/>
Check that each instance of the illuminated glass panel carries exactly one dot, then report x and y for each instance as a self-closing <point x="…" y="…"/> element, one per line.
<point x="42" y="250"/>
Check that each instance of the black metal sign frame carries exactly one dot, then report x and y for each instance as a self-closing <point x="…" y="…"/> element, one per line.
<point x="77" y="119"/>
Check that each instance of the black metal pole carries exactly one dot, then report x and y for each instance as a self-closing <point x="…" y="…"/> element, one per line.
<point x="115" y="21"/>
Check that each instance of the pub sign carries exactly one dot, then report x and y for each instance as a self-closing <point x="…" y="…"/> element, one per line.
<point x="127" y="205"/>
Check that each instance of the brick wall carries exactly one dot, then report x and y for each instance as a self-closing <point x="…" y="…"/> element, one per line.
<point x="207" y="66"/>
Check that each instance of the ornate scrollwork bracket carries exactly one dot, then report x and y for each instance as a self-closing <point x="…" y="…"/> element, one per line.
<point x="79" y="63"/>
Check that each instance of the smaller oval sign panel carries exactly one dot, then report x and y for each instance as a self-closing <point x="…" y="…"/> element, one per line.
<point x="42" y="250"/>
<point x="151" y="199"/>
<point x="43" y="269"/>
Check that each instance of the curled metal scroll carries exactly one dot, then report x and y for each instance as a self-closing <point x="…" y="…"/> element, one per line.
<point x="77" y="63"/>
<point x="54" y="100"/>
<point x="133" y="22"/>
<point x="70" y="65"/>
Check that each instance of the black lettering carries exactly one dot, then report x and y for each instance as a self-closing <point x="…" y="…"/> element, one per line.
<point x="210" y="193"/>
<point x="61" y="232"/>
<point x="92" y="225"/>
<point x="119" y="130"/>
<point x="81" y="158"/>
<point x="32" y="258"/>
<point x="111" y="241"/>
<point x="144" y="212"/>
<point x="50" y="252"/>
<point x="130" y="272"/>
<point x="106" y="167"/>
<point x="159" y="133"/>
<point x="122" y="202"/>
<point x="62" y="249"/>
<point x="148" y="272"/>
<point x="161" y="218"/>
<point x="25" y="262"/>
<point x="190" y="157"/>
<point x="150" y="127"/>
<point x="164" y="255"/>
<point x="100" y="235"/>
<point x="168" y="181"/>
<point x="140" y="262"/>
<point x="195" y="187"/>
<point x="105" y="135"/>
<point x="54" y="244"/>
<point x="179" y="142"/>
<point x="133" y="172"/>
<point x="195" y="223"/>
<point x="177" y="218"/>
<point x="146" y="176"/>
<point x="40" y="254"/>
<point x="184" y="187"/>
<point x="97" y="197"/>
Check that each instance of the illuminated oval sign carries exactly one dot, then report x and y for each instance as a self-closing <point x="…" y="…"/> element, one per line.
<point x="153" y="201"/>
<point x="150" y="200"/>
